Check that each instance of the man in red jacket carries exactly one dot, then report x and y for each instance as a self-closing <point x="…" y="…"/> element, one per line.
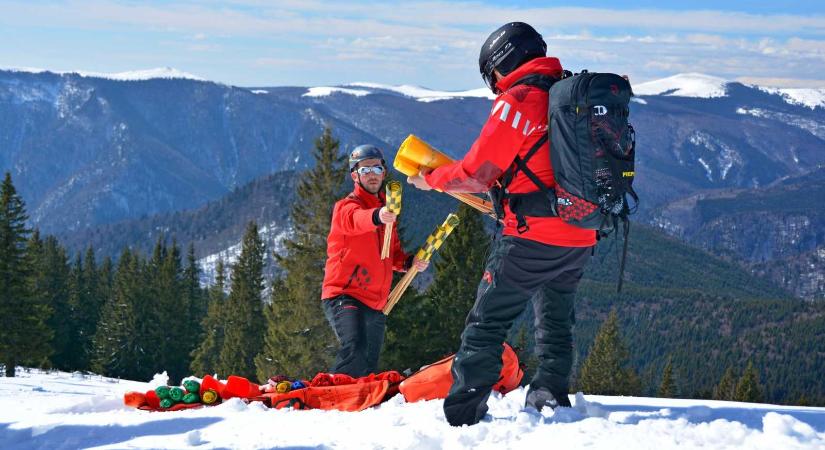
<point x="539" y="257"/>
<point x="356" y="280"/>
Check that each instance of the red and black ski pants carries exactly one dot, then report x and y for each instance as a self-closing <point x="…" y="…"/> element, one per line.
<point x="517" y="271"/>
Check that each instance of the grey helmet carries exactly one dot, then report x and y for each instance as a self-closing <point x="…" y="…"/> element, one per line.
<point x="364" y="152"/>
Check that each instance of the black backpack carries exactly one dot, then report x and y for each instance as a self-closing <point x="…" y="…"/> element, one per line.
<point x="593" y="155"/>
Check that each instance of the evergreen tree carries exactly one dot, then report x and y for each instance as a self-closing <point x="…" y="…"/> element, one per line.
<point x="667" y="388"/>
<point x="84" y="312"/>
<point x="50" y="285"/>
<point x="748" y="389"/>
<point x="726" y="389"/>
<point x="25" y="336"/>
<point x="172" y="313"/>
<point x="77" y="294"/>
<point x="244" y="326"/>
<point x="272" y="360"/>
<point x="197" y="299"/>
<point x="121" y="347"/>
<point x="87" y="310"/>
<point x="309" y="342"/>
<point x="605" y="370"/>
<point x="205" y="356"/>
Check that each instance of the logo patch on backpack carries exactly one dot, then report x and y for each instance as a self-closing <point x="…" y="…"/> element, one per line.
<point x="572" y="208"/>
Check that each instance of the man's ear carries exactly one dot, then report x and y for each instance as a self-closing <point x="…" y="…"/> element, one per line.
<point x="354" y="176"/>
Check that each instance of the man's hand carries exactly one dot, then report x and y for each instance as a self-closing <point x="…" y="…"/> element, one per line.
<point x="385" y="216"/>
<point x="419" y="181"/>
<point x="420" y="264"/>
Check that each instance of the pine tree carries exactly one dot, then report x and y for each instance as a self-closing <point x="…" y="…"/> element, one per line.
<point x="726" y="389"/>
<point x="308" y="343"/>
<point x="605" y="370"/>
<point x="172" y="313"/>
<point x="196" y="297"/>
<point x="87" y="311"/>
<point x="205" y="356"/>
<point x="50" y="285"/>
<point x="667" y="388"/>
<point x="76" y="297"/>
<point x="120" y="345"/>
<point x="748" y="389"/>
<point x="83" y="312"/>
<point x="244" y="326"/>
<point x="25" y="336"/>
<point x="272" y="361"/>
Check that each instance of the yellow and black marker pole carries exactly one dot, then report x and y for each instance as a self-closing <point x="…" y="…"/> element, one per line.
<point x="434" y="241"/>
<point x="393" y="206"/>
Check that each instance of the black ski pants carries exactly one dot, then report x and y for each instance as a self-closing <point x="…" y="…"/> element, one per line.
<point x="360" y="331"/>
<point x="517" y="271"/>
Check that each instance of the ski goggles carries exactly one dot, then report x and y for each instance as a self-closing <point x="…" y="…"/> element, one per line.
<point x="378" y="170"/>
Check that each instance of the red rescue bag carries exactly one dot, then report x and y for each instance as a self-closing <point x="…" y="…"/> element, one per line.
<point x="434" y="381"/>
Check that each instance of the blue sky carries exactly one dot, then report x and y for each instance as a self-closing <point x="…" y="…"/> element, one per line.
<point x="428" y="43"/>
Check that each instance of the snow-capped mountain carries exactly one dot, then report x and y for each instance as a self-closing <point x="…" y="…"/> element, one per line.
<point x="684" y="85"/>
<point x="86" y="150"/>
<point x="167" y="73"/>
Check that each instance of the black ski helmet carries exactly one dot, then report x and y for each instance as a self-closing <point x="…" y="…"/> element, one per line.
<point x="364" y="152"/>
<point x="507" y="48"/>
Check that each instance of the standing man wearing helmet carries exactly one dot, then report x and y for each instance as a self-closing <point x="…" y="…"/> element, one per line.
<point x="356" y="280"/>
<point x="539" y="257"/>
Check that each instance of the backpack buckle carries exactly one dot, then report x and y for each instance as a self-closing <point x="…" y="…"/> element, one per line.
<point x="522" y="226"/>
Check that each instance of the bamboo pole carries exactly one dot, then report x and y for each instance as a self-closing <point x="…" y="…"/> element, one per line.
<point x="393" y="190"/>
<point x="425" y="253"/>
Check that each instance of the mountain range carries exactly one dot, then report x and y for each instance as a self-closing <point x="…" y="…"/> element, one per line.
<point x="90" y="150"/>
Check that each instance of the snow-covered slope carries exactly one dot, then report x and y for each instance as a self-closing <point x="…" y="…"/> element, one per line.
<point x="419" y="93"/>
<point x="684" y="85"/>
<point x="811" y="98"/>
<point x="65" y="411"/>
<point x="134" y="75"/>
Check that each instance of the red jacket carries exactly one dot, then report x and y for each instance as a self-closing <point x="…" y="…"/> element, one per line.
<point x="354" y="265"/>
<point x="518" y="119"/>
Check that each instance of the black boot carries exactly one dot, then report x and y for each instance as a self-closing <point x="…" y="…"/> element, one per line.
<point x="541" y="397"/>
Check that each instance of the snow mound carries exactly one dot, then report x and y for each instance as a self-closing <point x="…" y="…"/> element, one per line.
<point x="135" y="75"/>
<point x="811" y="98"/>
<point x="684" y="85"/>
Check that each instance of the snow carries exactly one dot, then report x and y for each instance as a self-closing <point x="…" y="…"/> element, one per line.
<point x="67" y="411"/>
<point x="419" y="93"/>
<point x="272" y="234"/>
<point x="428" y="95"/>
<point x="684" y="85"/>
<point x="814" y="127"/>
<point x="259" y="91"/>
<point x="135" y="75"/>
<point x="811" y="98"/>
<point x="325" y="91"/>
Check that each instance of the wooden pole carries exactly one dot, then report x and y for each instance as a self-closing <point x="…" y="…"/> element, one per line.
<point x="393" y="190"/>
<point x="425" y="253"/>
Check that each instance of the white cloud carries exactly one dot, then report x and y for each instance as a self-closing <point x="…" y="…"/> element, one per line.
<point x="444" y="37"/>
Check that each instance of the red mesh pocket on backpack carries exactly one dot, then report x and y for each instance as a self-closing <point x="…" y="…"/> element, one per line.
<point x="572" y="208"/>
